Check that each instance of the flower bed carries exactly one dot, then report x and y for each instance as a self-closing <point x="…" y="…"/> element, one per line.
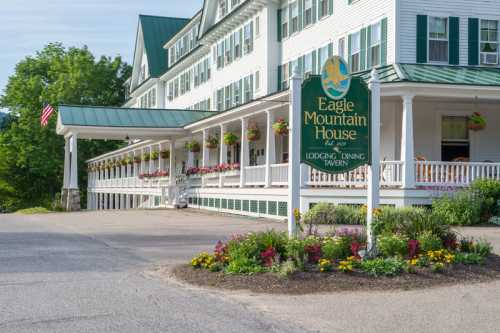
<point x="156" y="174"/>
<point x="221" y="168"/>
<point x="420" y="254"/>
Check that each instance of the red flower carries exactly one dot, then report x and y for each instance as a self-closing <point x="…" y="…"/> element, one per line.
<point x="313" y="253"/>
<point x="413" y="248"/>
<point x="355" y="247"/>
<point x="268" y="256"/>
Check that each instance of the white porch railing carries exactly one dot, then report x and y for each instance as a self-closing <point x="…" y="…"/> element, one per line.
<point x="390" y="175"/>
<point x="436" y="173"/>
<point x="255" y="175"/>
<point x="279" y="174"/>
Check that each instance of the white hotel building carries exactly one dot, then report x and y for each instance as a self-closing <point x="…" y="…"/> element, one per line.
<point x="228" y="68"/>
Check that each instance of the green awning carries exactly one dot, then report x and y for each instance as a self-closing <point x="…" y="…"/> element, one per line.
<point x="436" y="74"/>
<point x="128" y="117"/>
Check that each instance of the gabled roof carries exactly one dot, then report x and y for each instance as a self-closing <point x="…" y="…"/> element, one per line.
<point x="157" y="30"/>
<point x="97" y="116"/>
<point x="437" y="74"/>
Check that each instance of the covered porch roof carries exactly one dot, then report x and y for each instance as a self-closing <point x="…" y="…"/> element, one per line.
<point x="91" y="122"/>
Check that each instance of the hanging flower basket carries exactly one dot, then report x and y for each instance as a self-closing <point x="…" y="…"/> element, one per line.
<point x="212" y="142"/>
<point x="165" y="154"/>
<point x="280" y="127"/>
<point x="155" y="155"/>
<point x="124" y="161"/>
<point x="477" y="122"/>
<point x="130" y="161"/>
<point x="253" y="133"/>
<point x="230" y="139"/>
<point x="146" y="157"/>
<point x="137" y="159"/>
<point x="193" y="146"/>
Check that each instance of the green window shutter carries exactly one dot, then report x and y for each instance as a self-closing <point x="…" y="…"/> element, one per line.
<point x="362" y="54"/>
<point x="368" y="48"/>
<point x="330" y="50"/>
<point x="314" y="10"/>
<point x="349" y="44"/>
<point x="473" y="41"/>
<point x="330" y="7"/>
<point x="314" y="61"/>
<point x="280" y="70"/>
<point x="301" y="14"/>
<point x="383" y="42"/>
<point x="454" y="49"/>
<point x="422" y="38"/>
<point x="278" y="20"/>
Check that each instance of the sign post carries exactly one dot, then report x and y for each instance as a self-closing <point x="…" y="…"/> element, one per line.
<point x="339" y="122"/>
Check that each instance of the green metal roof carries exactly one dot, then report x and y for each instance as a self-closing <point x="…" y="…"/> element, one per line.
<point x="436" y="74"/>
<point x="157" y="31"/>
<point x="128" y="117"/>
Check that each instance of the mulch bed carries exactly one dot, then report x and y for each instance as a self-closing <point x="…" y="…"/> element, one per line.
<point x="315" y="282"/>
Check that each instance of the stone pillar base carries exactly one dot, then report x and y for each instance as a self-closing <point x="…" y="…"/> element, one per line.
<point x="70" y="200"/>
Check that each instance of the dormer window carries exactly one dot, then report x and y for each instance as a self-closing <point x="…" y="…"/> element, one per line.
<point x="142" y="74"/>
<point x="222" y="8"/>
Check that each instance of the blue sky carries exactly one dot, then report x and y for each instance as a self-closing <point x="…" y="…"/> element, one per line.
<point x="107" y="27"/>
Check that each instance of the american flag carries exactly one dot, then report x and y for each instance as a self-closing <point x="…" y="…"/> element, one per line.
<point x="47" y="111"/>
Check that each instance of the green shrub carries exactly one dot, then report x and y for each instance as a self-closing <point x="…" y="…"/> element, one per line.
<point x="391" y="245"/>
<point x="327" y="213"/>
<point x="33" y="210"/>
<point x="462" y="208"/>
<point x="336" y="248"/>
<point x="383" y="266"/>
<point x="469" y="258"/>
<point x="295" y="251"/>
<point x="407" y="221"/>
<point x="242" y="265"/>
<point x="482" y="247"/>
<point x="488" y="192"/>
<point x="287" y="268"/>
<point x="429" y="242"/>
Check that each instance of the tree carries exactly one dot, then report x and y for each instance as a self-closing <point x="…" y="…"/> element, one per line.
<point x="32" y="157"/>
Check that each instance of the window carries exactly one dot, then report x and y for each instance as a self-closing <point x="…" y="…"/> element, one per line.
<point x="455" y="138"/>
<point x="152" y="97"/>
<point x="374" y="47"/>
<point x="307" y="65"/>
<point x="307" y="12"/>
<point x="489" y="42"/>
<point x="171" y="91"/>
<point x="284" y="22"/>
<point x="247" y="88"/>
<point x="220" y="100"/>
<point x="227" y="95"/>
<point x="322" y="8"/>
<point x="220" y="55"/>
<point x="142" y="75"/>
<point x="222" y="8"/>
<point x="257" y="80"/>
<point x="341" y="47"/>
<point x="237" y="93"/>
<point x="176" y="88"/>
<point x="196" y="74"/>
<point x="294" y="10"/>
<point x="355" y="51"/>
<point x="322" y="57"/>
<point x="438" y="39"/>
<point x="237" y="43"/>
<point x="248" y="38"/>
<point x="228" y="57"/>
<point x="284" y="76"/>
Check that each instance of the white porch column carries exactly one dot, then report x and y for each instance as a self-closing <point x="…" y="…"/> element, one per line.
<point x="73" y="184"/>
<point x="270" y="147"/>
<point x="244" y="151"/>
<point x="172" y="170"/>
<point x="205" y="151"/>
<point x="67" y="163"/>
<point x="151" y="162"/>
<point x="294" y="151"/>
<point x="143" y="163"/>
<point x="407" y="144"/>
<point x="223" y="152"/>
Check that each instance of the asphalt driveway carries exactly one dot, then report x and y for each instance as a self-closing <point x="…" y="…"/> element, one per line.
<point x="87" y="272"/>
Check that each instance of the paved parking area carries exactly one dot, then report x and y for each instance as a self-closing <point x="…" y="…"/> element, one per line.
<point x="84" y="272"/>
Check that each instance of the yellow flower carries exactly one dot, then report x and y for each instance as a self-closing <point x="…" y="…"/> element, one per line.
<point x="296" y="213"/>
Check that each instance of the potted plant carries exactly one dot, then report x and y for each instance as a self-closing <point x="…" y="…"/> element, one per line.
<point x="155" y="155"/>
<point x="212" y="142"/>
<point x="124" y="161"/>
<point x="477" y="122"/>
<point x="280" y="127"/>
<point x="193" y="146"/>
<point x="165" y="154"/>
<point x="230" y="139"/>
<point x="253" y="133"/>
<point x="130" y="161"/>
<point x="137" y="159"/>
<point x="146" y="157"/>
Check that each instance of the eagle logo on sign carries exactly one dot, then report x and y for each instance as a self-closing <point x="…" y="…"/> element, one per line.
<point x="335" y="78"/>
